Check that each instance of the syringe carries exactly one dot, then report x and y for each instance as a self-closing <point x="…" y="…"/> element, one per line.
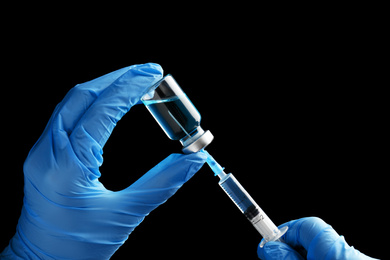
<point x="246" y="204"/>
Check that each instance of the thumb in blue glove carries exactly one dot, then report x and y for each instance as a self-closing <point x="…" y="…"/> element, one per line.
<point x="67" y="213"/>
<point x="310" y="238"/>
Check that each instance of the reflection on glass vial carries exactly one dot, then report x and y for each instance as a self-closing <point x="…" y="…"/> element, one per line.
<point x="176" y="114"/>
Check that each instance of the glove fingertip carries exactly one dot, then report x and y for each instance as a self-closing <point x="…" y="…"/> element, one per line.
<point x="154" y="68"/>
<point x="172" y="172"/>
<point x="190" y="163"/>
<point x="149" y="73"/>
<point x="195" y="162"/>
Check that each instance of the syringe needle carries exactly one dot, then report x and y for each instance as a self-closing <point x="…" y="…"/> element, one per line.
<point x="215" y="167"/>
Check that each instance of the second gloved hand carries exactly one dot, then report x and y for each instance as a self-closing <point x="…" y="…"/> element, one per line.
<point x="67" y="212"/>
<point x="310" y="238"/>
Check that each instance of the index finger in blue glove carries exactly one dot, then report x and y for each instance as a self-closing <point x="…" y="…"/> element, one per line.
<point x="89" y="112"/>
<point x="96" y="124"/>
<point x="80" y="98"/>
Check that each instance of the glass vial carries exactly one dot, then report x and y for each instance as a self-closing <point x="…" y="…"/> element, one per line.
<point x="176" y="115"/>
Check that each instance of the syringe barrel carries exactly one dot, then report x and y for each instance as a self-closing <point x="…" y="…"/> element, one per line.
<point x="237" y="193"/>
<point x="263" y="224"/>
<point x="248" y="206"/>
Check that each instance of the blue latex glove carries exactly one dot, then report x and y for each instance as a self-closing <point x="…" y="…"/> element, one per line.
<point x="67" y="212"/>
<point x="310" y="238"/>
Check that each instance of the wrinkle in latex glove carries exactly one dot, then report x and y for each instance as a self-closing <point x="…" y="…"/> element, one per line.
<point x="67" y="212"/>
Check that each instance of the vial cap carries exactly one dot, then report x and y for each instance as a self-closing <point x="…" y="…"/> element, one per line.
<point x="199" y="143"/>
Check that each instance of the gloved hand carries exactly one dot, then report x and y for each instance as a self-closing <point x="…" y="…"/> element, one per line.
<point x="67" y="212"/>
<point x="310" y="238"/>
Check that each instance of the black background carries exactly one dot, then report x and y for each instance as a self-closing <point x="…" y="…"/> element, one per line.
<point x="292" y="103"/>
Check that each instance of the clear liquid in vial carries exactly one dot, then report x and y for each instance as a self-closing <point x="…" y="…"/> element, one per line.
<point x="177" y="116"/>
